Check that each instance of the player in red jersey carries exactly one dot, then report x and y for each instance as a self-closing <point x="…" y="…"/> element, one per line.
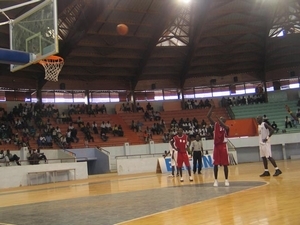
<point x="220" y="154"/>
<point x="180" y="143"/>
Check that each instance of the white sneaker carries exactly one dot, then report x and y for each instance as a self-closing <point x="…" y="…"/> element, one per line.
<point x="181" y="179"/>
<point x="216" y="183"/>
<point x="171" y="175"/>
<point x="226" y="183"/>
<point x="191" y="179"/>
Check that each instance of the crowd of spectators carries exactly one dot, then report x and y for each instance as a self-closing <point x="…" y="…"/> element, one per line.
<point x="242" y="100"/>
<point x="197" y="104"/>
<point x="191" y="127"/>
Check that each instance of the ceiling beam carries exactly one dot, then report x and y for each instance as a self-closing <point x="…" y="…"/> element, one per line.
<point x="79" y="29"/>
<point x="167" y="15"/>
<point x="199" y="14"/>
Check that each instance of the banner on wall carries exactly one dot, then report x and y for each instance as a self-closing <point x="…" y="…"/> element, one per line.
<point x="164" y="164"/>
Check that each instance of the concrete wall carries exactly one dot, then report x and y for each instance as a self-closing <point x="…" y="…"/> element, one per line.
<point x="283" y="146"/>
<point x="17" y="176"/>
<point x="97" y="161"/>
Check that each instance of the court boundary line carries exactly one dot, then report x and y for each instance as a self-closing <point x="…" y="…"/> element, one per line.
<point x="168" y="210"/>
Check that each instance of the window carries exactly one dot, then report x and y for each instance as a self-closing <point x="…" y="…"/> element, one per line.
<point x="189" y="93"/>
<point x="48" y="96"/>
<point x="100" y="97"/>
<point x="170" y="94"/>
<point x="204" y="92"/>
<point x="80" y="97"/>
<point x="114" y="97"/>
<point x="63" y="97"/>
<point x="221" y="91"/>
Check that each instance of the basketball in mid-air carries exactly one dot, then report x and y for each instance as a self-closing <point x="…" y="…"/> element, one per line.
<point x="122" y="29"/>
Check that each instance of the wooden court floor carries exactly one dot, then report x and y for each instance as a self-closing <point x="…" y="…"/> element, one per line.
<point x="274" y="202"/>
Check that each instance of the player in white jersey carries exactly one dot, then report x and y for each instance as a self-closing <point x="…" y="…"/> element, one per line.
<point x="173" y="154"/>
<point x="265" y="131"/>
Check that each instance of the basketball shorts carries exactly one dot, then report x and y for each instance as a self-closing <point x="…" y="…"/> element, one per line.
<point x="265" y="150"/>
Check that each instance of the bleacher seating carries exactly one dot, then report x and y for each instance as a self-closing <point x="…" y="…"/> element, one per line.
<point x="275" y="111"/>
<point x="172" y="106"/>
<point x="167" y="116"/>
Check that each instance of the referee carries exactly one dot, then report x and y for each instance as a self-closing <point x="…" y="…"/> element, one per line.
<point x="197" y="152"/>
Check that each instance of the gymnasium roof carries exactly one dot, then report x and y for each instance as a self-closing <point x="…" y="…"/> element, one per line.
<point x="170" y="43"/>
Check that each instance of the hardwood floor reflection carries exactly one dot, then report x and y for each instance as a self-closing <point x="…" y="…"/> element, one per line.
<point x="276" y="202"/>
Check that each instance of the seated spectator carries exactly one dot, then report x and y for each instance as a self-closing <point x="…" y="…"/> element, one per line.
<point x="90" y="110"/>
<point x="103" y="136"/>
<point x="25" y="140"/>
<point x="58" y="131"/>
<point x="41" y="156"/>
<point x="173" y="122"/>
<point x="63" y="140"/>
<point x="120" y="131"/>
<point x="97" y="108"/>
<point x="203" y="123"/>
<point x="13" y="157"/>
<point x="146" y="136"/>
<point x="108" y="126"/>
<point x="25" y="130"/>
<point x="95" y="127"/>
<point x="32" y="157"/>
<point x="128" y="107"/>
<point x="157" y="116"/>
<point x="63" y="118"/>
<point x="42" y="140"/>
<point x="207" y="103"/>
<point x="210" y="132"/>
<point x="4" y="158"/>
<point x="134" y="126"/>
<point x="79" y="122"/>
<point x="149" y="107"/>
<point x="165" y="138"/>
<point x="74" y="135"/>
<point x="32" y="132"/>
<point x="88" y="136"/>
<point x="274" y="126"/>
<point x="148" y="116"/>
<point x="139" y="107"/>
<point x="103" y="127"/>
<point x="49" y="141"/>
<point x="162" y="124"/>
<point x="71" y="127"/>
<point x="103" y="109"/>
<point x="148" y="130"/>
<point x="69" y="136"/>
<point x="115" y="130"/>
<point x="16" y="140"/>
<point x="57" y="117"/>
<point x="288" y="122"/>
<point x="196" y="104"/>
<point x="18" y="124"/>
<point x="154" y="129"/>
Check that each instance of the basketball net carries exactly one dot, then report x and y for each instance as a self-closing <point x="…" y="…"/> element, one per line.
<point x="53" y="65"/>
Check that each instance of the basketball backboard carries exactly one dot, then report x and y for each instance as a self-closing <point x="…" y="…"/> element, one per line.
<point x="35" y="32"/>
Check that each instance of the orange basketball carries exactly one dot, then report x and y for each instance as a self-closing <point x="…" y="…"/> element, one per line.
<point x="122" y="29"/>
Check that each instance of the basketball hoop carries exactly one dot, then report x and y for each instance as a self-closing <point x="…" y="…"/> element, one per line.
<point x="53" y="65"/>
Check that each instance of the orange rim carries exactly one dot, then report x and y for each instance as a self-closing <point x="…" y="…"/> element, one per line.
<point x="51" y="57"/>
